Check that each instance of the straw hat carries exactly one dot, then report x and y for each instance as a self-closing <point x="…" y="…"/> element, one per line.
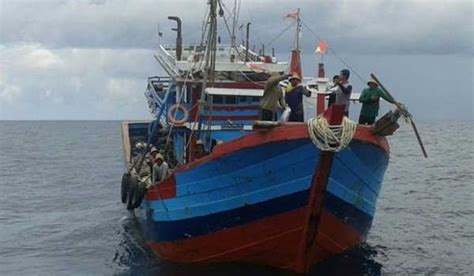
<point x="294" y="77"/>
<point x="159" y="156"/>
<point x="199" y="142"/>
<point x="153" y="150"/>
<point x="372" y="81"/>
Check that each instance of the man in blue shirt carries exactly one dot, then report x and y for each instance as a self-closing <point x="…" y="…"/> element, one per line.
<point x="294" y="98"/>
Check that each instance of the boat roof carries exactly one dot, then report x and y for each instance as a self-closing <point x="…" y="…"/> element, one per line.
<point x="228" y="59"/>
<point x="234" y="92"/>
<point x="257" y="92"/>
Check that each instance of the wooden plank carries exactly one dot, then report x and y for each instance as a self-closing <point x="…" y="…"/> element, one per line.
<point x="126" y="142"/>
<point x="307" y="248"/>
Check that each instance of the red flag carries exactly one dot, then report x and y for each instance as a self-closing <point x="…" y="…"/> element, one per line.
<point x="322" y="47"/>
<point x="294" y="14"/>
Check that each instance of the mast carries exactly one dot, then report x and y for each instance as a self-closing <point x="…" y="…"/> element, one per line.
<point x="211" y="47"/>
<point x="295" y="63"/>
<point x="298" y="30"/>
<point x="321" y="79"/>
<point x="234" y="22"/>
<point x="210" y="64"/>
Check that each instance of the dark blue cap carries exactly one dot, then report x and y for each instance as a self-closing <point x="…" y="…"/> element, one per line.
<point x="346" y="73"/>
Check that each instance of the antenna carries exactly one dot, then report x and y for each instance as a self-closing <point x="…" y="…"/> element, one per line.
<point x="160" y="34"/>
<point x="247" y="43"/>
<point x="298" y="29"/>
<point x="179" y="38"/>
<point x="234" y="19"/>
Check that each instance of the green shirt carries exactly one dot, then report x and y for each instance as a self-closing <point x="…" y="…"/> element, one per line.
<point x="370" y="106"/>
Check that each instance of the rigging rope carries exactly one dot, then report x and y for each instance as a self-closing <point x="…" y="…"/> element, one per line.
<point x="334" y="53"/>
<point x="332" y="138"/>
<point x="269" y="43"/>
<point x="189" y="75"/>
<point x="239" y="54"/>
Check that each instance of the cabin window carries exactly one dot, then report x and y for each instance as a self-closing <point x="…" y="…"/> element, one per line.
<point x="246" y="99"/>
<point x="231" y="100"/>
<point x="255" y="99"/>
<point x="189" y="94"/>
<point x="217" y="99"/>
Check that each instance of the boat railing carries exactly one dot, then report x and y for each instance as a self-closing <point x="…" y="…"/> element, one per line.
<point x="159" y="84"/>
<point x="167" y="61"/>
<point x="157" y="89"/>
<point x="252" y="55"/>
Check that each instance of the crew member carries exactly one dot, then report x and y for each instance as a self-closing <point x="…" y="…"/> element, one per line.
<point x="343" y="90"/>
<point x="151" y="159"/>
<point x="370" y="99"/>
<point x="272" y="100"/>
<point x="332" y="97"/>
<point x="160" y="168"/>
<point x="294" y="98"/>
<point x="200" y="151"/>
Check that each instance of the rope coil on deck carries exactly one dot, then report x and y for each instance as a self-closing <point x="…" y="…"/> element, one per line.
<point x="331" y="138"/>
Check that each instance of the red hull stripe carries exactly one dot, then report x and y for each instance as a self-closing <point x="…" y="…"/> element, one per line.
<point x="172" y="230"/>
<point x="272" y="241"/>
<point x="232" y="118"/>
<point x="289" y="131"/>
<point x="166" y="189"/>
<point x="232" y="107"/>
<point x="241" y="85"/>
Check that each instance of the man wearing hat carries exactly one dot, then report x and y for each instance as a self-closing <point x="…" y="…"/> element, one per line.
<point x="153" y="152"/>
<point x="370" y="99"/>
<point x="294" y="98"/>
<point x="150" y="160"/>
<point x="160" y="168"/>
<point x="272" y="100"/>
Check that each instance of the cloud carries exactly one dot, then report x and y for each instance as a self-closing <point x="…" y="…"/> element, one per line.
<point x="371" y="26"/>
<point x="9" y="93"/>
<point x="31" y="56"/>
<point x="90" y="59"/>
<point x="95" y="83"/>
<point x="42" y="59"/>
<point x="88" y="24"/>
<point x="123" y="92"/>
<point x="51" y="97"/>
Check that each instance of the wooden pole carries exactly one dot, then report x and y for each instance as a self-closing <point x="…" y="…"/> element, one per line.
<point x="307" y="248"/>
<point x="404" y="112"/>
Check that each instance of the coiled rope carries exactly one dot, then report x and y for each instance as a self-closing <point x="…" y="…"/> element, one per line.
<point x="331" y="137"/>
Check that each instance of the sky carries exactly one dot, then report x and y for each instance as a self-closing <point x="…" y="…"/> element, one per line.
<point x="89" y="60"/>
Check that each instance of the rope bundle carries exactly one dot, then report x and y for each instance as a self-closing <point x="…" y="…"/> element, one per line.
<point x="331" y="138"/>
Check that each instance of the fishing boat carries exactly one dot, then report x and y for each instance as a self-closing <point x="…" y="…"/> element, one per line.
<point x="282" y="194"/>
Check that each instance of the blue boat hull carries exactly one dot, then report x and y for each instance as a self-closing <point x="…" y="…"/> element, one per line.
<point x="242" y="189"/>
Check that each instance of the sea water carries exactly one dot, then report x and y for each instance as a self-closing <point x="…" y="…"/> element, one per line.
<point x="61" y="213"/>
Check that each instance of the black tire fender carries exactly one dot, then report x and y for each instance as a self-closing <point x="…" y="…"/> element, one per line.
<point x="133" y="183"/>
<point x="139" y="194"/>
<point x="125" y="187"/>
